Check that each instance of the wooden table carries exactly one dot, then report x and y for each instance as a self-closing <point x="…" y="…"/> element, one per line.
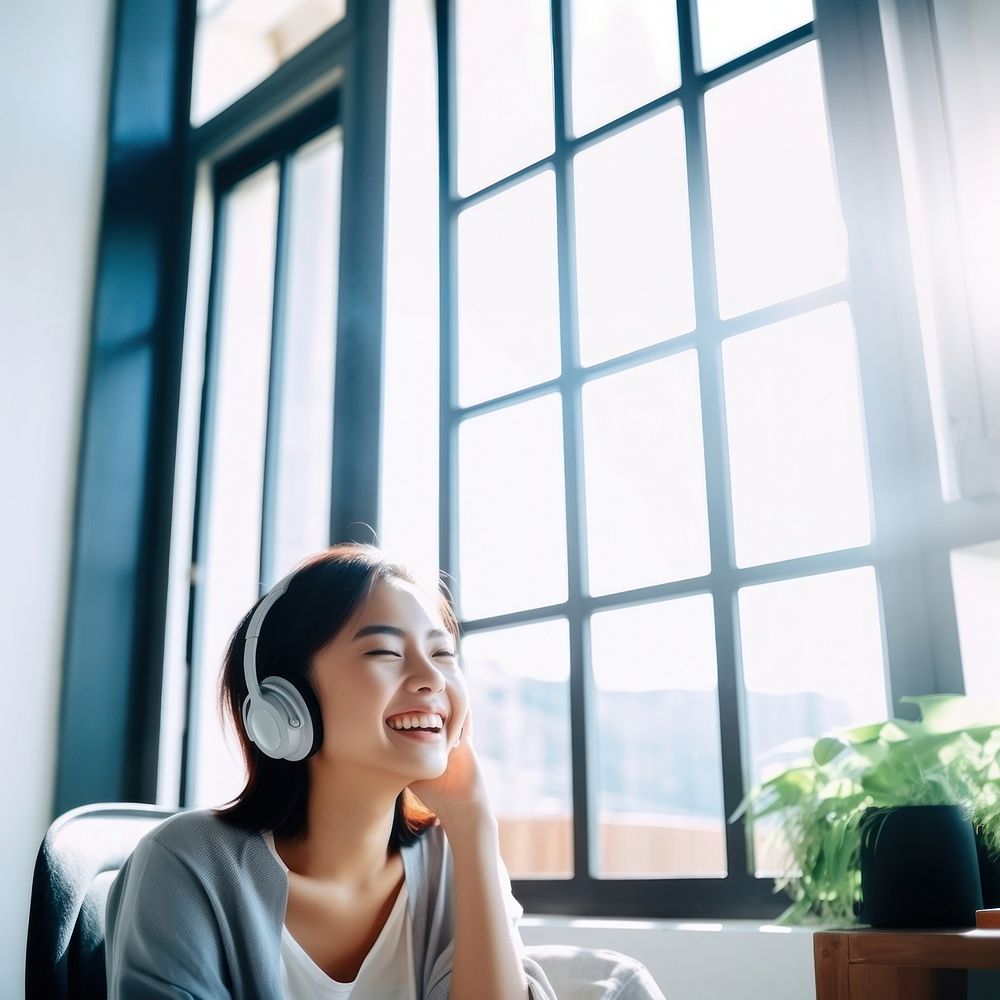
<point x="900" y="965"/>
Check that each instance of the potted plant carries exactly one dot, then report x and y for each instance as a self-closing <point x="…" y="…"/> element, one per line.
<point x="973" y="757"/>
<point x="849" y="795"/>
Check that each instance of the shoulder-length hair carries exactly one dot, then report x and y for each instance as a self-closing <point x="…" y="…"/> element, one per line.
<point x="323" y="595"/>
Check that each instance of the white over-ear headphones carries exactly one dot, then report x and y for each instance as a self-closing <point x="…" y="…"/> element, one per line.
<point x="276" y="713"/>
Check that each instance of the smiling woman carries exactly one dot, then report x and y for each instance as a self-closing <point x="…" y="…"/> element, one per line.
<point x="337" y="639"/>
<point x="361" y="856"/>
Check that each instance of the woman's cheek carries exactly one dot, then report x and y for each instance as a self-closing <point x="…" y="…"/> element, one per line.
<point x="460" y="691"/>
<point x="460" y="708"/>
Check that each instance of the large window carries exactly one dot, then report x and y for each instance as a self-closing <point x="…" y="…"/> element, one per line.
<point x="623" y="346"/>
<point x="679" y="539"/>
<point x="264" y="485"/>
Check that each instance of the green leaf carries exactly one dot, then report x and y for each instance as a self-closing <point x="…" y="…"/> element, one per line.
<point x="827" y="749"/>
<point x="861" y="734"/>
<point x="900" y="730"/>
<point x="947" y="713"/>
<point x="882" y="786"/>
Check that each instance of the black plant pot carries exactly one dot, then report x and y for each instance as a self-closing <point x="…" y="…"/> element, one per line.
<point x="919" y="868"/>
<point x="989" y="873"/>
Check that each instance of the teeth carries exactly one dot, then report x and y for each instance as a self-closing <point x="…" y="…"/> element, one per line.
<point x="432" y="721"/>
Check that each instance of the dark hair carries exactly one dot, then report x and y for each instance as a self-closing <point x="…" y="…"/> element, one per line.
<point x="325" y="592"/>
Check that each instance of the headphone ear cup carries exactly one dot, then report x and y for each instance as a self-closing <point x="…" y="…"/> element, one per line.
<point x="313" y="711"/>
<point x="280" y="720"/>
<point x="265" y="721"/>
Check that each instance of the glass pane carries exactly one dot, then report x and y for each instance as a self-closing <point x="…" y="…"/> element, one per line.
<point x="624" y="54"/>
<point x="633" y="240"/>
<point x="508" y="292"/>
<point x="408" y="481"/>
<point x="775" y="208"/>
<point x="975" y="577"/>
<point x="660" y="776"/>
<point x="511" y="509"/>
<point x="642" y="431"/>
<point x="728" y="28"/>
<point x="231" y="560"/>
<point x="519" y="686"/>
<point x="812" y="660"/>
<point x="503" y="69"/>
<point x="239" y="43"/>
<point x="305" y="426"/>
<point x="797" y="453"/>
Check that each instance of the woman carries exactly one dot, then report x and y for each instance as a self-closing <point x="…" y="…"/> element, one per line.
<point x="361" y="858"/>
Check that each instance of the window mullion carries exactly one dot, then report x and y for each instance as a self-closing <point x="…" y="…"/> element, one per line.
<point x="271" y="442"/>
<point x="447" y="275"/>
<point x="582" y="720"/>
<point x="357" y="402"/>
<point x="723" y="584"/>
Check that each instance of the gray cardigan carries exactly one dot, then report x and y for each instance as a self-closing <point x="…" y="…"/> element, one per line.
<point x="197" y="911"/>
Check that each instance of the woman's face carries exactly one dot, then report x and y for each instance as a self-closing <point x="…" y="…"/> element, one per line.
<point x="394" y="660"/>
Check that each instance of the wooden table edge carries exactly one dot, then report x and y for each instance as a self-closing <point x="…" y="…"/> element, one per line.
<point x="928" y="949"/>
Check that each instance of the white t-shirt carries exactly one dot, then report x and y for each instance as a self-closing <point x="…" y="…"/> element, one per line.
<point x="387" y="971"/>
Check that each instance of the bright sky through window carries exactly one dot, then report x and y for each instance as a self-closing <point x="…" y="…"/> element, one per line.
<point x="775" y="208"/>
<point x="728" y="28"/>
<point x="624" y="54"/>
<point x="504" y="117"/>
<point x="232" y="546"/>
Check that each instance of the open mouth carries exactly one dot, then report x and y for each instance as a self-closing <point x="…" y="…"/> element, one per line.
<point x="420" y="726"/>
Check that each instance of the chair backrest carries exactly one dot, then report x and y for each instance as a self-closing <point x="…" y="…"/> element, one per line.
<point x="78" y="860"/>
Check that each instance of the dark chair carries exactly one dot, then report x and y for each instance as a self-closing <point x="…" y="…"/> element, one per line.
<point x="83" y="851"/>
<point x="78" y="860"/>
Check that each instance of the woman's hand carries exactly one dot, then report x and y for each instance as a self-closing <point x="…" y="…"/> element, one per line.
<point x="458" y="795"/>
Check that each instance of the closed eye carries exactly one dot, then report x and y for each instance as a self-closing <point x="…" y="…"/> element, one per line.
<point x="392" y="652"/>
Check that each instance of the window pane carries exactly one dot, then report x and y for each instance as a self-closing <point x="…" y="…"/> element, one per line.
<point x="728" y="28"/>
<point x="775" y="209"/>
<point x="508" y="292"/>
<point x="647" y="516"/>
<point x="519" y="686"/>
<point x="409" y="483"/>
<point x="503" y="67"/>
<point x="660" y="775"/>
<point x="975" y="577"/>
<point x="232" y="519"/>
<point x="624" y="54"/>
<point x="812" y="660"/>
<point x="239" y="43"/>
<point x="305" y="425"/>
<point x="798" y="466"/>
<point x="633" y="241"/>
<point x="512" y="517"/>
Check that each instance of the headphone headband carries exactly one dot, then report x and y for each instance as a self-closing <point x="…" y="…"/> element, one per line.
<point x="253" y="634"/>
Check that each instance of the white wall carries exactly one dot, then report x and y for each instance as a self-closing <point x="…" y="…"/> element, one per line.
<point x="53" y="82"/>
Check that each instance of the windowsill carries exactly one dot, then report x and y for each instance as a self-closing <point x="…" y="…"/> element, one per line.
<point x="694" y="959"/>
<point x="662" y="925"/>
